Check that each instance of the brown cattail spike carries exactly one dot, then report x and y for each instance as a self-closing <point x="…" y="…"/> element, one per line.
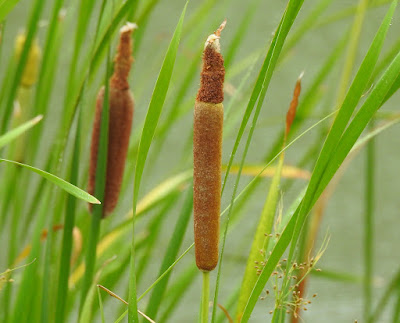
<point x="120" y="122"/>
<point x="213" y="72"/>
<point x="293" y="105"/>
<point x="123" y="60"/>
<point x="207" y="147"/>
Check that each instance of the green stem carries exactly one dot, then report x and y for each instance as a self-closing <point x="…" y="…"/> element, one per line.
<point x="205" y="297"/>
<point x="12" y="244"/>
<point x="132" y="309"/>
<point x="383" y="302"/>
<point x="368" y="226"/>
<point x="90" y="257"/>
<point x="69" y="223"/>
<point x="352" y="50"/>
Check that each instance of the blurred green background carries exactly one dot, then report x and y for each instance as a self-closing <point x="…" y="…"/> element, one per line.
<point x="337" y="301"/>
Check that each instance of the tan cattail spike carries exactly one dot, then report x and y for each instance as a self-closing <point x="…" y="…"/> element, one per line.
<point x="207" y="150"/>
<point x="120" y="123"/>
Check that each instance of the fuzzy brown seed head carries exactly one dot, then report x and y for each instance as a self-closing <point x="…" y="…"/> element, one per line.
<point x="213" y="71"/>
<point x="207" y="150"/>
<point x="212" y="77"/>
<point x="207" y="143"/>
<point x="120" y="123"/>
<point x="121" y="109"/>
<point x="123" y="60"/>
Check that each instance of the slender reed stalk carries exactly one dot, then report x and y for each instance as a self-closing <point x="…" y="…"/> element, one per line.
<point x="369" y="225"/>
<point x="205" y="297"/>
<point x="69" y="222"/>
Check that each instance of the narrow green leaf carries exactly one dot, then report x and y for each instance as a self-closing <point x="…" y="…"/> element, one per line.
<point x="261" y="239"/>
<point x="152" y="117"/>
<point x="68" y="187"/>
<point x="259" y="92"/>
<point x="350" y="102"/>
<point x="5" y="7"/>
<point x="31" y="30"/>
<point x="69" y="222"/>
<point x="170" y="255"/>
<point x="329" y="152"/>
<point x="101" y="305"/>
<point x="15" y="133"/>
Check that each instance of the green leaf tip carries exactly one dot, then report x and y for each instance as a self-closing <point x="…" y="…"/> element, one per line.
<point x="66" y="186"/>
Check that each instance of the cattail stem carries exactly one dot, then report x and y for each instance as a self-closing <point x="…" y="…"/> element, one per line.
<point x="205" y="297"/>
<point x="207" y="148"/>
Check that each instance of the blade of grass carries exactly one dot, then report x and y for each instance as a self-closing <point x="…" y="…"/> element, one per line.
<point x="47" y="71"/>
<point x="30" y="279"/>
<point x="154" y="227"/>
<point x="31" y="30"/>
<point x="261" y="239"/>
<point x="343" y="147"/>
<point x="153" y="114"/>
<point x="69" y="222"/>
<point x="259" y="92"/>
<point x="5" y="8"/>
<point x="352" y="49"/>
<point x="369" y="203"/>
<point x="100" y="184"/>
<point x="240" y="32"/>
<point x="171" y="254"/>
<point x="68" y="187"/>
<point x="391" y="288"/>
<point x="15" y="133"/>
<point x="349" y="104"/>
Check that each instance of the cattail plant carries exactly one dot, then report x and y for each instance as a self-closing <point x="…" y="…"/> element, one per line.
<point x="120" y="123"/>
<point x="207" y="148"/>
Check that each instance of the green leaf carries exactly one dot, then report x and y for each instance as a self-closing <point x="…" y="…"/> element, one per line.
<point x="170" y="255"/>
<point x="15" y="133"/>
<point x="261" y="239"/>
<point x="322" y="174"/>
<point x="5" y="7"/>
<point x="150" y="124"/>
<point x="259" y="93"/>
<point x="15" y="78"/>
<point x="68" y="187"/>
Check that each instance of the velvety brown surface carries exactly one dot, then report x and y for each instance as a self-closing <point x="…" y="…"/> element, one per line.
<point x="212" y="77"/>
<point x="207" y="146"/>
<point x="123" y="61"/>
<point x="120" y="123"/>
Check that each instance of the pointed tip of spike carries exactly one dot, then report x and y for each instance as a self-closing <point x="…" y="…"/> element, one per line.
<point x="301" y="75"/>
<point x="220" y="28"/>
<point x="213" y="39"/>
<point x="128" y="27"/>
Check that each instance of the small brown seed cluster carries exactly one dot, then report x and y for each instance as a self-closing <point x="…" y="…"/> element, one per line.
<point x="293" y="302"/>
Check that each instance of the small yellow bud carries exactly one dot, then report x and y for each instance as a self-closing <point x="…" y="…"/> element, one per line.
<point x="30" y="74"/>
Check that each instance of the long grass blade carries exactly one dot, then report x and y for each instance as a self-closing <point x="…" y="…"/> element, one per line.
<point x="153" y="114"/>
<point x="66" y="186"/>
<point x="15" y="133"/>
<point x="343" y="147"/>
